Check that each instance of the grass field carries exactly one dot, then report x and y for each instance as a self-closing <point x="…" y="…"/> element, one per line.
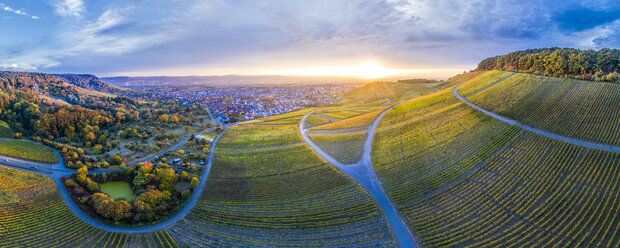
<point x="27" y="150"/>
<point x="118" y="190"/>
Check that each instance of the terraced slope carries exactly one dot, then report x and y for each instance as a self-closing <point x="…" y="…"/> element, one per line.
<point x="463" y="179"/>
<point x="535" y="192"/>
<point x="584" y="110"/>
<point x="27" y="150"/>
<point x="342" y="134"/>
<point x="344" y="147"/>
<point x="422" y="145"/>
<point x="268" y="188"/>
<point x="32" y="214"/>
<point x="380" y="91"/>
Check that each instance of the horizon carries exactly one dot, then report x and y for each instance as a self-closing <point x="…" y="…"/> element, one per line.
<point x="403" y="38"/>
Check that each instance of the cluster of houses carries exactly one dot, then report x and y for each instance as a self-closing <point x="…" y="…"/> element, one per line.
<point x="249" y="103"/>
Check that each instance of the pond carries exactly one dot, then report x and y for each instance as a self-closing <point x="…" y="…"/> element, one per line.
<point x="118" y="190"/>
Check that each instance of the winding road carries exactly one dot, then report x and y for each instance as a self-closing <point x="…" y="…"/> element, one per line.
<point x="57" y="171"/>
<point x="534" y="129"/>
<point x="364" y="173"/>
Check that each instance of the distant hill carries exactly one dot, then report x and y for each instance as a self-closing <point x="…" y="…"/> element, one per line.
<point x="91" y="82"/>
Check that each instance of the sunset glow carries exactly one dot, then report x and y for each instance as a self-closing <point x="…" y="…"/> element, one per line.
<point x="367" y="70"/>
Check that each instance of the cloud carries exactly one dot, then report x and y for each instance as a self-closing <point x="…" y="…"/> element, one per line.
<point x="580" y="19"/>
<point x="117" y="36"/>
<point x="69" y="8"/>
<point x="17" y="12"/>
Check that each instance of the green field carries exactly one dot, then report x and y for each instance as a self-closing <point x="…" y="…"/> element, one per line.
<point x="27" y="150"/>
<point x="118" y="190"/>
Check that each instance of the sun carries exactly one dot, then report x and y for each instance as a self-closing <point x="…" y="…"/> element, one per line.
<point x="366" y="70"/>
<point x="372" y="70"/>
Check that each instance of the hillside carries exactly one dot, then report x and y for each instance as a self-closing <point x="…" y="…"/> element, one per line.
<point x="91" y="82"/>
<point x="81" y="121"/>
<point x="380" y="91"/>
<point x="462" y="178"/>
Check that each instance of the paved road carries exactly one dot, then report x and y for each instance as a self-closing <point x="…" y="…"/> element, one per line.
<point x="534" y="129"/>
<point x="364" y="173"/>
<point x="57" y="171"/>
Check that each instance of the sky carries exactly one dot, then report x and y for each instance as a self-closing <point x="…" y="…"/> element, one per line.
<point x="248" y="37"/>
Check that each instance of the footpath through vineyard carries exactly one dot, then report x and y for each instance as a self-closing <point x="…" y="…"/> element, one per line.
<point x="364" y="173"/>
<point x="534" y="129"/>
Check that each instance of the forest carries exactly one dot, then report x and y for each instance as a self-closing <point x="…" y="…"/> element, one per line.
<point x="601" y="65"/>
<point x="81" y="122"/>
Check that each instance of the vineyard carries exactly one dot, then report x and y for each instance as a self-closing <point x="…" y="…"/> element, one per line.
<point x="463" y="179"/>
<point x="482" y="82"/>
<point x="36" y="216"/>
<point x="28" y="151"/>
<point x="377" y="92"/>
<point x="579" y="109"/>
<point x="344" y="147"/>
<point x="279" y="194"/>
<point x="362" y="120"/>
<point x="458" y="177"/>
<point x="534" y="192"/>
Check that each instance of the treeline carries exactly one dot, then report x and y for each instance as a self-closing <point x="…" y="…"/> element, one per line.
<point x="601" y="65"/>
